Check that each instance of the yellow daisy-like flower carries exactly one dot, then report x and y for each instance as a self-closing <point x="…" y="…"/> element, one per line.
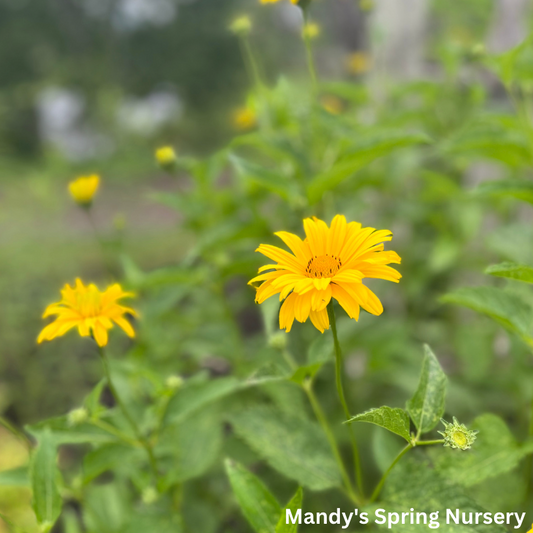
<point x="84" y="188"/>
<point x="165" y="156"/>
<point x="244" y="118"/>
<point x="90" y="310"/>
<point x="358" y="63"/>
<point x="275" y="1"/>
<point x="328" y="263"/>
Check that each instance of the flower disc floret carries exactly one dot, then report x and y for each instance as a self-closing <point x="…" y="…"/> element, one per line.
<point x="331" y="262"/>
<point x="92" y="311"/>
<point x="458" y="436"/>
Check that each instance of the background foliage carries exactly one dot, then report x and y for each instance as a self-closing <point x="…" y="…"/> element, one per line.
<point x="443" y="159"/>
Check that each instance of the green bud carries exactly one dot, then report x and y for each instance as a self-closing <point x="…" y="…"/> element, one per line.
<point x="241" y="25"/>
<point x="278" y="341"/>
<point x="149" y="495"/>
<point x="77" y="416"/>
<point x="458" y="436"/>
<point x="174" y="382"/>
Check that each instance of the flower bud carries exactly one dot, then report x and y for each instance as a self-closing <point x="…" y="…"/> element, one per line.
<point x="166" y="157"/>
<point x="244" y="119"/>
<point x="149" y="495"/>
<point x="458" y="436"/>
<point x="358" y="63"/>
<point x="278" y="341"/>
<point x="83" y="189"/>
<point x="241" y="25"/>
<point x="310" y="30"/>
<point x="366" y="5"/>
<point x="77" y="416"/>
<point x="174" y="382"/>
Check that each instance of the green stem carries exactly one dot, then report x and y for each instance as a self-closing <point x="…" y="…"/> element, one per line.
<point x="100" y="242"/>
<point x="529" y="461"/>
<point x="309" y="52"/>
<point x="377" y="490"/>
<point x="250" y="62"/>
<point x="429" y="442"/>
<point x="112" y="430"/>
<point x="144" y="443"/>
<point x="342" y="398"/>
<point x="307" y="387"/>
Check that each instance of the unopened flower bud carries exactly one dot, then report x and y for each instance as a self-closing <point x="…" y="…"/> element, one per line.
<point x="311" y="30"/>
<point x="458" y="436"/>
<point x="174" y="382"/>
<point x="83" y="189"/>
<point x="149" y="495"/>
<point x="77" y="416"/>
<point x="241" y="25"/>
<point x="166" y="157"/>
<point x="278" y="341"/>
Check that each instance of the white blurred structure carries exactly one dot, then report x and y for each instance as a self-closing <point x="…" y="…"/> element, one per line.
<point x="130" y="14"/>
<point x="509" y="25"/>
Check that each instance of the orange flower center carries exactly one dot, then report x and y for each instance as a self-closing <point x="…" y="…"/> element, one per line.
<point x="323" y="266"/>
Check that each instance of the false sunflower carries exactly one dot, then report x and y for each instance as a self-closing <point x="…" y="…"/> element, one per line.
<point x="90" y="310"/>
<point x="84" y="188"/>
<point x="329" y="263"/>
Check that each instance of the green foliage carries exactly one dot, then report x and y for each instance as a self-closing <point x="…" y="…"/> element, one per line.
<point x="260" y="508"/>
<point x="395" y="420"/>
<point x="511" y="271"/>
<point x="426" y="407"/>
<point x="44" y="476"/>
<point x="521" y="190"/>
<point x="508" y="309"/>
<point x="296" y="448"/>
<point x="293" y="506"/>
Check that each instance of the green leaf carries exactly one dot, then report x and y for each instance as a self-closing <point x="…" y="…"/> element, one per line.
<point x="426" y="407"/>
<point x="16" y="477"/>
<point x="44" y="476"/>
<point x="367" y="150"/>
<point x="414" y="484"/>
<point x="92" y="400"/>
<point x="258" y="505"/>
<point x="293" y="446"/>
<point x="506" y="308"/>
<point x="519" y="189"/>
<point x="305" y="372"/>
<point x="511" y="271"/>
<point x="272" y="180"/>
<point x="293" y="506"/>
<point x="494" y="452"/>
<point x="320" y="350"/>
<point x="393" y="419"/>
<point x="109" y="457"/>
<point x="188" y="449"/>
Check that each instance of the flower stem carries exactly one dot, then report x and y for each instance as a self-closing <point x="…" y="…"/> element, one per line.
<point x="250" y="62"/>
<point x="309" y="52"/>
<point x="99" y="240"/>
<point x="377" y="490"/>
<point x="307" y="387"/>
<point x="340" y="392"/>
<point x="144" y="443"/>
<point x="429" y="442"/>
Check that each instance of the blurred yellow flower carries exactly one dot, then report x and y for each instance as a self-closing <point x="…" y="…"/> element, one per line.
<point x="275" y="1"/>
<point x="366" y="5"/>
<point x="83" y="189"/>
<point x="329" y="263"/>
<point x="332" y="104"/>
<point x="311" y="30"/>
<point x="91" y="311"/>
<point x="241" y="25"/>
<point x="166" y="156"/>
<point x="244" y="118"/>
<point x="531" y="530"/>
<point x="358" y="63"/>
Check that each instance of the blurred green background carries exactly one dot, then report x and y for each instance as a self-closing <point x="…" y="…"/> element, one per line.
<point x="95" y="86"/>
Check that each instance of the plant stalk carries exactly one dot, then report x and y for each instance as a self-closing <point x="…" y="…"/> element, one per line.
<point x="309" y="52"/>
<point x="342" y="398"/>
<point x="377" y="490"/>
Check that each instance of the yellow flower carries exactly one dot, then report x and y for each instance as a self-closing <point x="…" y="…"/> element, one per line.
<point x="329" y="263"/>
<point x="91" y="311"/>
<point x="241" y="25"/>
<point x="331" y="104"/>
<point x="311" y="30"/>
<point x="366" y="5"/>
<point x="244" y="118"/>
<point x="83" y="189"/>
<point x="531" y="530"/>
<point x="275" y="1"/>
<point x="358" y="63"/>
<point x="166" y="156"/>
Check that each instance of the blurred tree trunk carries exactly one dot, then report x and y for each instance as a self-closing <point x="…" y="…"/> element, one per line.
<point x="508" y="28"/>
<point x="350" y="24"/>
<point x="399" y="29"/>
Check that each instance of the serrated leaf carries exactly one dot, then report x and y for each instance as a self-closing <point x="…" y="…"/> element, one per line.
<point x="519" y="189"/>
<point x="293" y="506"/>
<point x="44" y="476"/>
<point x="426" y="490"/>
<point x="507" y="309"/>
<point x="511" y="271"/>
<point x="92" y="400"/>
<point x="494" y="452"/>
<point x="365" y="152"/>
<point x="15" y="477"/>
<point x="395" y="420"/>
<point x="426" y="407"/>
<point x="258" y="505"/>
<point x="293" y="446"/>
